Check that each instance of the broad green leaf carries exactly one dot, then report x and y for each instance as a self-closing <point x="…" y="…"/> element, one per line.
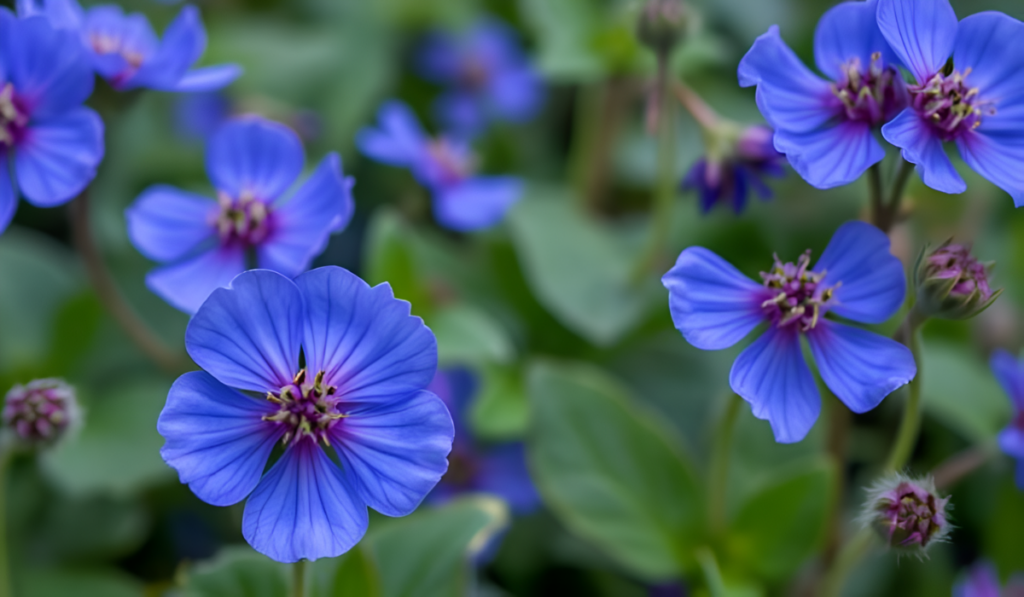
<point x="238" y="571"/>
<point x="428" y="553"/>
<point x="468" y="336"/>
<point x="92" y="582"/>
<point x="781" y="526"/>
<point x="391" y="259"/>
<point x="1005" y="527"/>
<point x="95" y="528"/>
<point x="501" y="410"/>
<point x="611" y="471"/>
<point x="352" y="573"/>
<point x="959" y="388"/>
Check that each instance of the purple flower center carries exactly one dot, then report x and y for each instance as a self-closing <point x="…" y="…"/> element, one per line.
<point x="474" y="73"/>
<point x="105" y="45"/>
<point x="450" y="164"/>
<point x="13" y="117"/>
<point x="912" y="515"/>
<point x="956" y="262"/>
<point x="245" y="220"/>
<point x="797" y="295"/>
<point x="307" y="409"/>
<point x="949" y="105"/>
<point x="38" y="412"/>
<point x="871" y="95"/>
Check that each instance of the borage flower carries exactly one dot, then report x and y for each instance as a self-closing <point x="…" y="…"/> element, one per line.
<point x="361" y="393"/>
<point x="977" y="101"/>
<point x="982" y="580"/>
<point x="1010" y="373"/>
<point x="487" y="76"/>
<point x="252" y="162"/>
<point x="50" y="144"/>
<point x="728" y="179"/>
<point x="826" y="129"/>
<point x="462" y="201"/>
<point x="857" y="278"/>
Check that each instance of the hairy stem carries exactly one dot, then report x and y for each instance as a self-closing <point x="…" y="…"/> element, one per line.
<point x="719" y="481"/>
<point x="665" y="190"/>
<point x="910" y="426"/>
<point x="299" y="579"/>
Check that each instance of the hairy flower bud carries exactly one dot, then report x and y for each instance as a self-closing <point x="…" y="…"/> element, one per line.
<point x="41" y="412"/>
<point x="952" y="284"/>
<point x="661" y="25"/>
<point x="908" y="513"/>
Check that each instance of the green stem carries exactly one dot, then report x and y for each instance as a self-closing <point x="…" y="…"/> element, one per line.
<point x="837" y="445"/>
<point x="891" y="209"/>
<point x="910" y="426"/>
<point x="712" y="574"/>
<point x="665" y="191"/>
<point x="848" y="558"/>
<point x="5" y="569"/>
<point x="719" y="477"/>
<point x="875" y="193"/>
<point x="299" y="579"/>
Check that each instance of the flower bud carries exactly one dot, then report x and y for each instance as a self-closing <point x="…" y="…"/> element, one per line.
<point x="908" y="513"/>
<point x="41" y="412"/>
<point x="952" y="284"/>
<point x="661" y="25"/>
<point x="737" y="162"/>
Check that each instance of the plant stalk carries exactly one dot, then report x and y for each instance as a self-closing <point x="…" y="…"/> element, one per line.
<point x="665" y="191"/>
<point x="890" y="211"/>
<point x="910" y="426"/>
<point x="5" y="567"/>
<point x="720" y="457"/>
<point x="299" y="579"/>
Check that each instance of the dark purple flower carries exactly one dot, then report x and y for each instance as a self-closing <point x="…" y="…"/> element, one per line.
<point x="952" y="284"/>
<point x="252" y="163"/>
<point x="857" y="278"/>
<point x="729" y="179"/>
<point x="462" y="201"/>
<point x="826" y="128"/>
<point x="50" y="144"/>
<point x="908" y="513"/>
<point x="361" y="392"/>
<point x="1010" y="373"/>
<point x="486" y="75"/>
<point x="982" y="580"/>
<point x="41" y="412"/>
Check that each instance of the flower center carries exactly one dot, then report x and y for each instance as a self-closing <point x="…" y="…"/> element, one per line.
<point x="451" y="164"/>
<point x="245" y="220"/>
<point x="307" y="408"/>
<point x="949" y="105"/>
<point x="873" y="95"/>
<point x="108" y="44"/>
<point x="13" y="117"/>
<point x="913" y="516"/>
<point x="956" y="262"/>
<point x="474" y="73"/>
<point x="798" y="296"/>
<point x="39" y="411"/>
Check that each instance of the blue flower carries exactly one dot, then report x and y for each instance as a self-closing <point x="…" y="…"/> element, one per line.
<point x="1010" y="373"/>
<point x="982" y="580"/>
<point x="252" y="163"/>
<point x="499" y="469"/>
<point x="462" y="201"/>
<point x="728" y="179"/>
<point x="487" y="76"/>
<point x="826" y="128"/>
<point x="127" y="53"/>
<point x="857" y="278"/>
<point x="977" y="102"/>
<point x="50" y="144"/>
<point x="361" y="392"/>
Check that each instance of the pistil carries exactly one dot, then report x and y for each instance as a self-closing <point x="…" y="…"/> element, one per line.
<point x="306" y="408"/>
<point x="798" y="297"/>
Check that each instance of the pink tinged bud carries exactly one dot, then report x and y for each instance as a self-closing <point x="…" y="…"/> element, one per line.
<point x="41" y="412"/>
<point x="908" y="514"/>
<point x="952" y="284"/>
<point x="662" y="24"/>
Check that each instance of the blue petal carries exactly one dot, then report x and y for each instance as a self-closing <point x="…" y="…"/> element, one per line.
<point x="58" y="157"/>
<point x="846" y="31"/>
<point x="185" y="285"/>
<point x="183" y="43"/>
<point x="831" y="157"/>
<point x="860" y="367"/>
<point x="998" y="157"/>
<point x="48" y="68"/>
<point x="1019" y="478"/>
<point x="871" y="282"/>
<point x="921" y="146"/>
<point x="216" y="437"/>
<point x="438" y="58"/>
<point x="166" y="223"/>
<point x="302" y="225"/>
<point x="1011" y="442"/>
<point x="62" y="14"/>
<point x="921" y="32"/>
<point x="712" y="303"/>
<point x="516" y="94"/>
<point x="254" y="155"/>
<point x="476" y="203"/>
<point x="248" y="334"/>
<point x="363" y="338"/>
<point x="988" y="43"/>
<point x="503" y="472"/>
<point x="982" y="581"/>
<point x="8" y="197"/>
<point x="1009" y="372"/>
<point x="304" y="508"/>
<point x="400" y="141"/>
<point x="395" y="453"/>
<point x="772" y="376"/>
<point x="126" y="33"/>
<point x="210" y="78"/>
<point x="789" y="95"/>
<point x="462" y="112"/>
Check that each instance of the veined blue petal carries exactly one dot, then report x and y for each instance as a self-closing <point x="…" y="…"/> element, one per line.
<point x="166" y="223"/>
<point x="503" y="472"/>
<point x="254" y="155"/>
<point x="364" y="339"/>
<point x="210" y="78"/>
<point x="1009" y="372"/>
<point x="832" y="156"/>
<point x="47" y="67"/>
<point x="399" y="141"/>
<point x="186" y="284"/>
<point x="8" y="197"/>
<point x="921" y="32"/>
<point x="846" y="31"/>
<point x="395" y="453"/>
<point x="304" y="508"/>
<point x="921" y="146"/>
<point x="58" y="157"/>
<point x="870" y="285"/>
<point x="772" y="376"/>
<point x="62" y="14"/>
<point x="182" y="45"/>
<point x="477" y="203"/>
<point x="108" y="27"/>
<point x="998" y="157"/>
<point x="988" y="43"/>
<point x="216" y="437"/>
<point x="712" y="303"/>
<point x="248" y="334"/>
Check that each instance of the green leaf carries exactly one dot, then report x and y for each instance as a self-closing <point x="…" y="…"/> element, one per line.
<point x="391" y="259"/>
<point x="238" y="571"/>
<point x="959" y="389"/>
<point x="468" y="336"/>
<point x="579" y="270"/>
<point x="1005" y="526"/>
<point x="352" y="573"/>
<point x="501" y="411"/>
<point x="427" y="554"/>
<point x="95" y="528"/>
<point x="611" y="471"/>
<point x="783" y="524"/>
<point x="102" y="582"/>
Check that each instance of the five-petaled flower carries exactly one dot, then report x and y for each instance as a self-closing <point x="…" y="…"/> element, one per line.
<point x="857" y="278"/>
<point x="252" y="162"/>
<point x="359" y="390"/>
<point x="487" y="76"/>
<point x="462" y="200"/>
<point x="975" y="100"/>
<point x="728" y="179"/>
<point x="50" y="144"/>
<point x="826" y="129"/>
<point x="1010" y="373"/>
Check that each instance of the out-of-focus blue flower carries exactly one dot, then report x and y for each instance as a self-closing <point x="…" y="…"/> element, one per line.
<point x="826" y="128"/>
<point x="982" y="580"/>
<point x="1010" y="373"/>
<point x="497" y="469"/>
<point x="127" y="53"/>
<point x="857" y="278"/>
<point x="486" y="74"/>
<point x="197" y="116"/>
<point x="252" y="163"/>
<point x="978" y="103"/>
<point x="728" y="179"/>
<point x="361" y="392"/>
<point x="462" y="201"/>
<point x="50" y="144"/>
